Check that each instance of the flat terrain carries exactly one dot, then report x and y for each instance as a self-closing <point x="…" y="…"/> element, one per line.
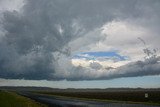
<point x="11" y="99"/>
<point x="57" y="101"/>
<point x="153" y="97"/>
<point x="119" y="97"/>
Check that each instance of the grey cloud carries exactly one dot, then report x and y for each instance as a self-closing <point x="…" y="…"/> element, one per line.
<point x="95" y="65"/>
<point x="133" y="69"/>
<point x="32" y="39"/>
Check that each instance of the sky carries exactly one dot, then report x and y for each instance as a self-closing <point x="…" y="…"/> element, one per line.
<point x="80" y="44"/>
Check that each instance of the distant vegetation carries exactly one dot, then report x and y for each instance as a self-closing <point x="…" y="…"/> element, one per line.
<point x="11" y="99"/>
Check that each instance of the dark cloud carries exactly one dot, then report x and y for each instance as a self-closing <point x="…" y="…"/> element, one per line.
<point x="33" y="43"/>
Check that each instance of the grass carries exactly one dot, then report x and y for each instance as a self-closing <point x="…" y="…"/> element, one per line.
<point x="121" y="97"/>
<point x="11" y="99"/>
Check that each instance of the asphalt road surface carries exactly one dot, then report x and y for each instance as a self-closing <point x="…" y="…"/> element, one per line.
<point x="53" y="101"/>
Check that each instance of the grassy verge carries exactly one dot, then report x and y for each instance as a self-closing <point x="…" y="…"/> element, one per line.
<point x="11" y="99"/>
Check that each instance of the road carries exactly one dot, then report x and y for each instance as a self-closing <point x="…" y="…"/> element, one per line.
<point x="53" y="101"/>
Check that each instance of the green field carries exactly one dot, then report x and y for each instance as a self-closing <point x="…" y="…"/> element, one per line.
<point x="11" y="99"/>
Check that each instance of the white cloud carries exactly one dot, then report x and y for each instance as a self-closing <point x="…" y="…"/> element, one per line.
<point x="123" y="37"/>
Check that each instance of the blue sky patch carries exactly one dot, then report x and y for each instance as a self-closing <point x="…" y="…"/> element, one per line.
<point x="100" y="55"/>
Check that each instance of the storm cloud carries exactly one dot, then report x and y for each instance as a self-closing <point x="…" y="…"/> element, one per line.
<point x="38" y="41"/>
